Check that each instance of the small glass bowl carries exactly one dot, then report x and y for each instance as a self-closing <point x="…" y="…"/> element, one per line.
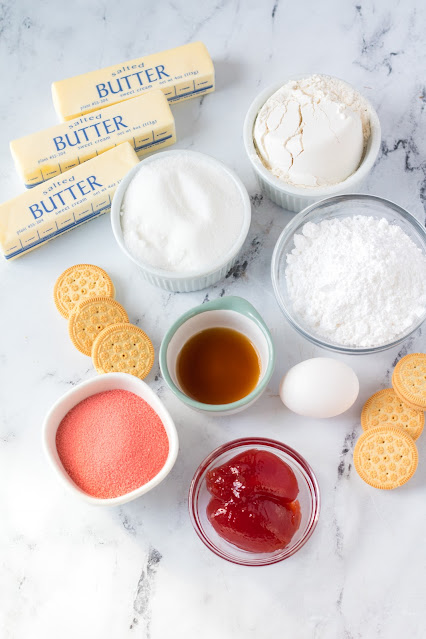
<point x="309" y="499"/>
<point x="339" y="207"/>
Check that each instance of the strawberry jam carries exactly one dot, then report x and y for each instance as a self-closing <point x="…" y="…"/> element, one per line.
<point x="253" y="504"/>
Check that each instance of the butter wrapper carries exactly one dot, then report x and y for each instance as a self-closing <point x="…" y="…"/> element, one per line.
<point x="145" y="122"/>
<point x="59" y="205"/>
<point x="181" y="73"/>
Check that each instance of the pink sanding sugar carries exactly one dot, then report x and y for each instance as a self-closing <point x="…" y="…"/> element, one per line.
<point x="112" y="443"/>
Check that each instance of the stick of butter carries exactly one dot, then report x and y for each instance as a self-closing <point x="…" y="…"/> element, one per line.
<point x="181" y="73"/>
<point x="59" y="205"/>
<point x="146" y="122"/>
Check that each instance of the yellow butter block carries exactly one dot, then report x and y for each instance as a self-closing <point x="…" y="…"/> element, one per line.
<point x="181" y="73"/>
<point x="146" y="122"/>
<point x="59" y="205"/>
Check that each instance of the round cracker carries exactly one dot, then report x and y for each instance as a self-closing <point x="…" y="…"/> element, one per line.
<point x="91" y="317"/>
<point x="385" y="457"/>
<point x="386" y="408"/>
<point x="123" y="348"/>
<point x="78" y="283"/>
<point x="409" y="380"/>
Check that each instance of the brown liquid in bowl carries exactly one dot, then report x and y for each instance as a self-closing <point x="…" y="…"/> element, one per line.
<point x="218" y="366"/>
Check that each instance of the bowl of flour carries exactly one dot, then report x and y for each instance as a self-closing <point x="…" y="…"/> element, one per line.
<point x="349" y="273"/>
<point x="309" y="138"/>
<point x="182" y="217"/>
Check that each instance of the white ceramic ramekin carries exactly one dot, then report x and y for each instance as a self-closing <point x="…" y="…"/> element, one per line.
<point x="111" y="381"/>
<point x="229" y="312"/>
<point x="294" y="198"/>
<point x="182" y="282"/>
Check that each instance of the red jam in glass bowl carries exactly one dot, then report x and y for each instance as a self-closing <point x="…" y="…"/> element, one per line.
<point x="254" y="501"/>
<point x="253" y="504"/>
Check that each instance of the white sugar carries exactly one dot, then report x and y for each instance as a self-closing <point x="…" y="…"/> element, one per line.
<point x="181" y="214"/>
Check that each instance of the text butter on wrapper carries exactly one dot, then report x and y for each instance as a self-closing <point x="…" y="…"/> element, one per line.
<point x="181" y="73"/>
<point x="59" y="205"/>
<point x="146" y="122"/>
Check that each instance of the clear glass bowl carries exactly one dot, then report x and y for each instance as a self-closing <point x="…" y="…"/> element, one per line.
<point x="338" y="207"/>
<point x="309" y="499"/>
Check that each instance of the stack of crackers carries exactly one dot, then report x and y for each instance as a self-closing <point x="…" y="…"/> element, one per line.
<point x="98" y="325"/>
<point x="385" y="455"/>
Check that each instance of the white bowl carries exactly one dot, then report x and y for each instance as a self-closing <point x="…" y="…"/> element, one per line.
<point x="295" y="198"/>
<point x="182" y="282"/>
<point x="229" y="312"/>
<point x="111" y="381"/>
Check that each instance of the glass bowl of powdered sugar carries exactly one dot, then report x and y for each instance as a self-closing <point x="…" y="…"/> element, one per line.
<point x="349" y="274"/>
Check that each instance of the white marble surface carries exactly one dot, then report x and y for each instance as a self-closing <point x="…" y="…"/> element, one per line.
<point x="68" y="570"/>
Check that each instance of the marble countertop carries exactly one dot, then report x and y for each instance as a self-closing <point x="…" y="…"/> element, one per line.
<point x="69" y="570"/>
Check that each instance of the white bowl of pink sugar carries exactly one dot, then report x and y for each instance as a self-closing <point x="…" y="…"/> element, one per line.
<point x="110" y="439"/>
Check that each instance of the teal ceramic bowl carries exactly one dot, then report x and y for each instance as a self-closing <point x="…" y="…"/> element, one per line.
<point x="228" y="312"/>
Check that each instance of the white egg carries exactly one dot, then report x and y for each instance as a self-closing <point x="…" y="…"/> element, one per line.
<point x="319" y="387"/>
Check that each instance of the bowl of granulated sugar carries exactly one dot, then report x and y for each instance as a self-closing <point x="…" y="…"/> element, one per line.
<point x="182" y="217"/>
<point x="110" y="439"/>
<point x="349" y="274"/>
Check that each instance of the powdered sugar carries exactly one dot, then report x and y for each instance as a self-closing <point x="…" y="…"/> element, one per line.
<point x="357" y="281"/>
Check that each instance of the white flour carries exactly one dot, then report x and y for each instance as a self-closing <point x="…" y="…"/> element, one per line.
<point x="312" y="132"/>
<point x="356" y="281"/>
<point x="181" y="213"/>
